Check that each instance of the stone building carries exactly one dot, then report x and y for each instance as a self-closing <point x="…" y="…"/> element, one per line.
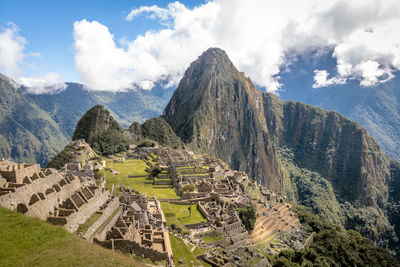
<point x="140" y="229"/>
<point x="61" y="198"/>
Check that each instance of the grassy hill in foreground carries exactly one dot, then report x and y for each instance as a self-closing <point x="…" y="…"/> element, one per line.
<point x="30" y="242"/>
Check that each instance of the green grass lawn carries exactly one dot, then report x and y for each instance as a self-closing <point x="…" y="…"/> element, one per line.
<point x="149" y="262"/>
<point x="210" y="239"/>
<point x="89" y="222"/>
<point x="181" y="251"/>
<point x="142" y="184"/>
<point x="179" y="214"/>
<point x="27" y="241"/>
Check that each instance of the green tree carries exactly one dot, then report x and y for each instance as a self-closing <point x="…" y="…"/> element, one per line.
<point x="248" y="216"/>
<point x="188" y="188"/>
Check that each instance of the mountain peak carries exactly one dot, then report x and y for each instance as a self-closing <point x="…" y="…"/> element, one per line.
<point x="214" y="58"/>
<point x="96" y="120"/>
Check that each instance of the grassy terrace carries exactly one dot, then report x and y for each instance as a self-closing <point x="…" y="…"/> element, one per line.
<point x="89" y="222"/>
<point x="192" y="169"/>
<point x="210" y="239"/>
<point x="153" y="162"/>
<point x="197" y="174"/>
<point x="27" y="241"/>
<point x="179" y="214"/>
<point x="181" y="251"/>
<point x="143" y="184"/>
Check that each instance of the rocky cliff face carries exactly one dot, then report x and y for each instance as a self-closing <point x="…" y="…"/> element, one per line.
<point x="216" y="108"/>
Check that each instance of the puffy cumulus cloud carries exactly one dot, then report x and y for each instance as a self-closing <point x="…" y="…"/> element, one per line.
<point x="321" y="79"/>
<point x="50" y="83"/>
<point x="257" y="35"/>
<point x="11" y="50"/>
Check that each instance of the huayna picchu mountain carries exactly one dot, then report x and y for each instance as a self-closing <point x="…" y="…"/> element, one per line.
<point x="302" y="151"/>
<point x="106" y="136"/>
<point x="101" y="131"/>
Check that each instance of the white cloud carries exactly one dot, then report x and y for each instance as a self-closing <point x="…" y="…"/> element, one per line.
<point x="11" y="50"/>
<point x="321" y="79"/>
<point x="155" y="12"/>
<point x="12" y="56"/>
<point x="48" y="84"/>
<point x="257" y="35"/>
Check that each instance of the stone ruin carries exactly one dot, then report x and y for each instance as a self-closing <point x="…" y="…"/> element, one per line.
<point x="140" y="228"/>
<point x="57" y="197"/>
<point x="219" y="193"/>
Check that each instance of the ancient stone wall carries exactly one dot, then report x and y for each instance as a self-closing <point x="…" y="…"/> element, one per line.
<point x="234" y="228"/>
<point x="86" y="211"/>
<point x="102" y="235"/>
<point x="239" y="237"/>
<point x="237" y="245"/>
<point x="107" y="212"/>
<point x="130" y="246"/>
<point x="162" y="181"/>
<point x="18" y="171"/>
<point x="24" y="193"/>
<point x="44" y="207"/>
<point x="196" y="225"/>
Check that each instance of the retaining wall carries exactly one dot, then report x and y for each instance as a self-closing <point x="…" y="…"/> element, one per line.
<point x="107" y="212"/>
<point x="86" y="211"/>
<point x="130" y="246"/>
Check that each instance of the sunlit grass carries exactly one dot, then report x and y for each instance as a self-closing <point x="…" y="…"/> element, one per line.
<point x="143" y="184"/>
<point x="179" y="214"/>
<point x="27" y="241"/>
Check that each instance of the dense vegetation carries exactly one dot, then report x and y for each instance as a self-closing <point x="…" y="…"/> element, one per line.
<point x="27" y="132"/>
<point x="248" y="216"/>
<point x="66" y="155"/>
<point x="315" y="192"/>
<point x="156" y="129"/>
<point x="332" y="245"/>
<point x="27" y="241"/>
<point x="101" y="132"/>
<point x="110" y="142"/>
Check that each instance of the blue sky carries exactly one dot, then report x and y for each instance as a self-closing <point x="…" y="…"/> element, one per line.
<point x="47" y="27"/>
<point x="96" y="43"/>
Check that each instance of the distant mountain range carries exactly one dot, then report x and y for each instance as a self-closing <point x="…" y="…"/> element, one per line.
<point x="377" y="108"/>
<point x="34" y="128"/>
